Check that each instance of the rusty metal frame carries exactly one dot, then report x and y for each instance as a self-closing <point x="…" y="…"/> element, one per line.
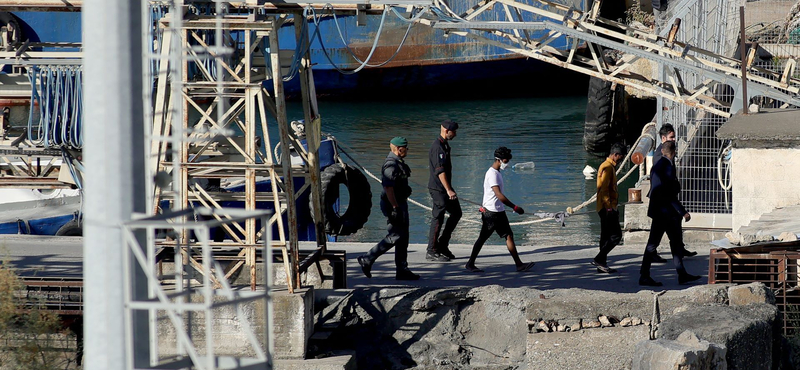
<point x="212" y="154"/>
<point x="776" y="265"/>
<point x="63" y="296"/>
<point x="591" y="29"/>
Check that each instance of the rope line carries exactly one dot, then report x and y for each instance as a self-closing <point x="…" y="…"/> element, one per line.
<point x="569" y="210"/>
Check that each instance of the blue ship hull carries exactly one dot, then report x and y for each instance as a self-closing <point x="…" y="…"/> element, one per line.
<point x="428" y="61"/>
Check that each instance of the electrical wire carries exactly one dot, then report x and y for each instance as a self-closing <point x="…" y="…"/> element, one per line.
<point x="310" y="11"/>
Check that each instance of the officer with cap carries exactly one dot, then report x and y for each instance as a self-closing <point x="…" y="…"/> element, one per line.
<point x="444" y="197"/>
<point x="394" y="205"/>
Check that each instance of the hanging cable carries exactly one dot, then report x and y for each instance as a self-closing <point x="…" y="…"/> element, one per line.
<point x="374" y="45"/>
<point x="724" y="159"/>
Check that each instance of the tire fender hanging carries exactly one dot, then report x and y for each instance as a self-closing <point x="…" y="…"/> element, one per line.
<point x="72" y="228"/>
<point x="360" y="205"/>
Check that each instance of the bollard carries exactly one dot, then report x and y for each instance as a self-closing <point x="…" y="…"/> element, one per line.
<point x="634" y="195"/>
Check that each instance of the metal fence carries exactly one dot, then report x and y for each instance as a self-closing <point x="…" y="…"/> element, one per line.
<point x="714" y="25"/>
<point x="776" y="266"/>
<point x="711" y="25"/>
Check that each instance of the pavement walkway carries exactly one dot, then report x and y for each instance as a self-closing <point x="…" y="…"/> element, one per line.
<point x="557" y="267"/>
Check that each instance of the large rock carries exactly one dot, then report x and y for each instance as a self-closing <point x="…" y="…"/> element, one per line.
<point x="686" y="352"/>
<point x="589" y="304"/>
<point x="741" y="295"/>
<point x="746" y="331"/>
<point x="400" y="328"/>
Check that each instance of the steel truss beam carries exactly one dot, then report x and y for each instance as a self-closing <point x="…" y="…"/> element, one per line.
<point x="680" y="58"/>
<point x="210" y="152"/>
<point x="208" y="291"/>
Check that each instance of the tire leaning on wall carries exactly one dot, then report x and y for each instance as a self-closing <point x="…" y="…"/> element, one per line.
<point x="360" y="205"/>
<point x="599" y="130"/>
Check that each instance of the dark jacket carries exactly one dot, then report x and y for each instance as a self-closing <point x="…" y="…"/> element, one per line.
<point x="439" y="161"/>
<point x="395" y="173"/>
<point x="657" y="157"/>
<point x="664" y="190"/>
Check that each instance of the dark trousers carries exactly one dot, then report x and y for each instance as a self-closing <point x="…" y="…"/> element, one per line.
<point x="490" y="222"/>
<point x="441" y="204"/>
<point x="660" y="225"/>
<point x="397" y="237"/>
<point x="610" y="234"/>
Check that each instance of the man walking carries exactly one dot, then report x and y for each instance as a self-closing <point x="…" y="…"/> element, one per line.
<point x="666" y="211"/>
<point x="444" y="197"/>
<point x="394" y="205"/>
<point x="493" y="215"/>
<point x="607" y="200"/>
<point x="667" y="133"/>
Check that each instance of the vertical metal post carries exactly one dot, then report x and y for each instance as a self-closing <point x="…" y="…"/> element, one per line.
<point x="286" y="158"/>
<point x="313" y="132"/>
<point x="250" y="179"/>
<point x="115" y="186"/>
<point x="743" y="56"/>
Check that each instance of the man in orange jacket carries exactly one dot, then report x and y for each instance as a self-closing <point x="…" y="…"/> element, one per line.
<point x="607" y="199"/>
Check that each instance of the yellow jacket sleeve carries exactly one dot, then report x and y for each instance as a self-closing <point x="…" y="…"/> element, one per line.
<point x="605" y="178"/>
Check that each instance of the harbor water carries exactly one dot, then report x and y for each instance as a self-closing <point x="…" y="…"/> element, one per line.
<point x="545" y="131"/>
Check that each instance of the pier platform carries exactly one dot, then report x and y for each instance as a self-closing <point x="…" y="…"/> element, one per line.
<point x="557" y="266"/>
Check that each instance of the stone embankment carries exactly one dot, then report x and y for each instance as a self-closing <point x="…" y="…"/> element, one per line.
<point x="703" y="327"/>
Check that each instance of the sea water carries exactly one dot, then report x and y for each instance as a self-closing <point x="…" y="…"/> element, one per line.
<point x="544" y="131"/>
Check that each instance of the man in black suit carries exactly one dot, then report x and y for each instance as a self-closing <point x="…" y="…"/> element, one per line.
<point x="666" y="211"/>
<point x="667" y="133"/>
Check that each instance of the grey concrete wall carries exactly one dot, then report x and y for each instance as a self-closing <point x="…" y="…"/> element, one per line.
<point x="292" y="318"/>
<point x="763" y="180"/>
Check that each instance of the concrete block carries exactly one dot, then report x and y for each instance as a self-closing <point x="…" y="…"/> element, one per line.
<point x="745" y="331"/>
<point x="569" y="304"/>
<point x="601" y="348"/>
<point x="338" y="360"/>
<point x="229" y="338"/>
<point x="292" y="317"/>
<point x="636" y="217"/>
<point x="293" y="320"/>
<point x="742" y="295"/>
<point x="685" y="352"/>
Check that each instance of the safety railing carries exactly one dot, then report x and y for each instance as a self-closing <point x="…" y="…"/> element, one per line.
<point x="776" y="265"/>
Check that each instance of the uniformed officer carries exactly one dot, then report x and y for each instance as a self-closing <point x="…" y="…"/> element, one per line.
<point x="443" y="196"/>
<point x="394" y="205"/>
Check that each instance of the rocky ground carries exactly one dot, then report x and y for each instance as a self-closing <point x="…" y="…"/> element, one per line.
<point x="541" y="319"/>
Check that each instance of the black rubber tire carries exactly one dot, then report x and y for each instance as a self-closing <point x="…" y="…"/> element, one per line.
<point x="360" y="205"/>
<point x="598" y="131"/>
<point x="72" y="228"/>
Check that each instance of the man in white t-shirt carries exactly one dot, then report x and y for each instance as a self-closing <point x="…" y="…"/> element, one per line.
<point x="493" y="215"/>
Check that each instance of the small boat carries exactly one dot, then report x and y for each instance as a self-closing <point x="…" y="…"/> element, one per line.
<point x="35" y="212"/>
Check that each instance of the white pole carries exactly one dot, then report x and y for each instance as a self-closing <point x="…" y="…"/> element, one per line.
<point x="114" y="186"/>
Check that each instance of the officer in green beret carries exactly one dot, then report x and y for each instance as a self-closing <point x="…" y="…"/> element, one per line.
<point x="394" y="205"/>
